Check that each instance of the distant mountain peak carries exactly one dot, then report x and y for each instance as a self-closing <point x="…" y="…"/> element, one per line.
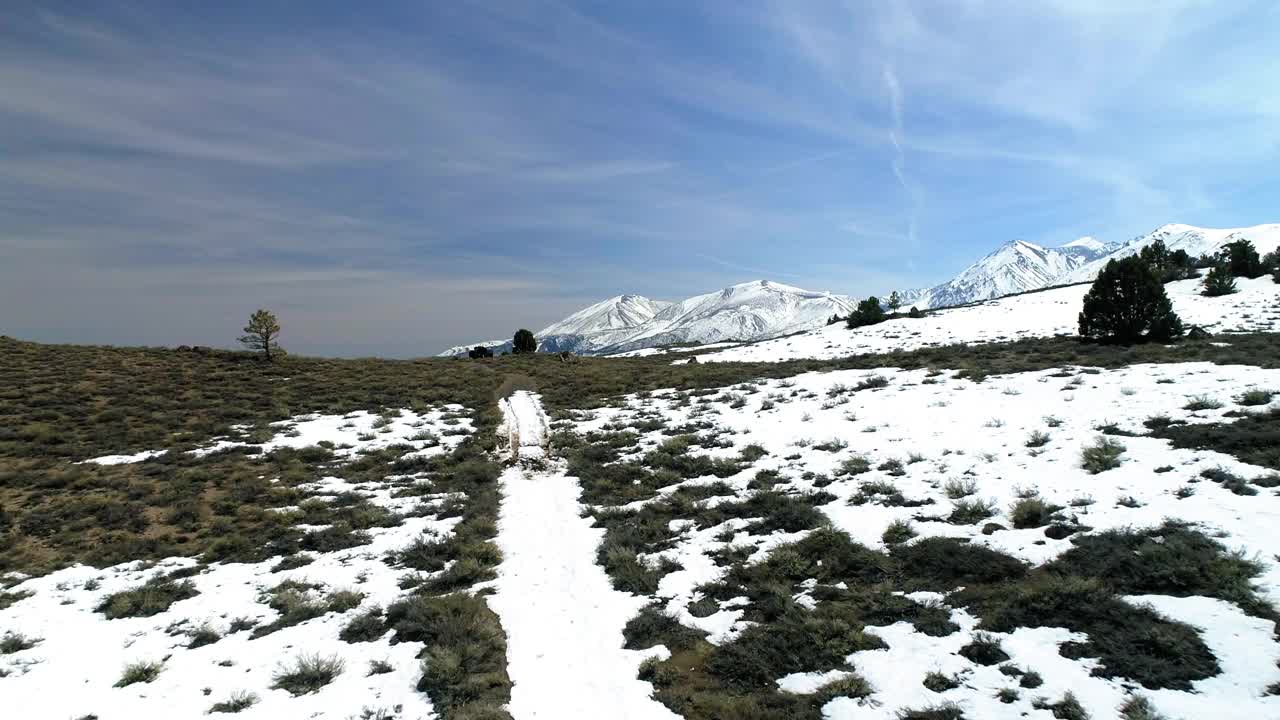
<point x="755" y="310"/>
<point x="1019" y="265"/>
<point x="1087" y="242"/>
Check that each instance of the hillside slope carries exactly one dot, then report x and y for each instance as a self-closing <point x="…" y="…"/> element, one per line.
<point x="1256" y="307"/>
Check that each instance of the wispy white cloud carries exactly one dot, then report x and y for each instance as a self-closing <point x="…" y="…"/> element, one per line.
<point x="894" y="90"/>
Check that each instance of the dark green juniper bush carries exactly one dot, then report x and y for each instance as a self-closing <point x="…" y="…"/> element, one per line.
<point x="524" y="342"/>
<point x="1128" y="304"/>
<point x="868" y="312"/>
<point x="1218" y="282"/>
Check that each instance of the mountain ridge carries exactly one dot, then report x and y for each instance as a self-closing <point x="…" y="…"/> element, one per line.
<point x="764" y="309"/>
<point x="756" y="310"/>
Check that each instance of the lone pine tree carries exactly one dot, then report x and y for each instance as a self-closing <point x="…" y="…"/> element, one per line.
<point x="261" y="333"/>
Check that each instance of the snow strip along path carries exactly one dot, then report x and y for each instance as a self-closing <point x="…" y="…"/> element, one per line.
<point x="562" y="617"/>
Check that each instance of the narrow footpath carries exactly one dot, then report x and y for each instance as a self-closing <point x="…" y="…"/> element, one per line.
<point x="562" y="617"/>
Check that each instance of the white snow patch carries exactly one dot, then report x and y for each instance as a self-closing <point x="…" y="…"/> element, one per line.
<point x="126" y="459"/>
<point x="562" y="616"/>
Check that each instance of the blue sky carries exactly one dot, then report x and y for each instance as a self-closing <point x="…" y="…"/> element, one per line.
<point x="394" y="178"/>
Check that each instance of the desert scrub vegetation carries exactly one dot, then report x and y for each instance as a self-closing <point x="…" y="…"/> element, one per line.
<point x="62" y="404"/>
<point x="899" y="531"/>
<point x="464" y="661"/>
<point x="853" y="586"/>
<point x="1104" y="454"/>
<point x="942" y="711"/>
<point x="14" y="642"/>
<point x="296" y="602"/>
<point x="984" y="649"/>
<point x="939" y="682"/>
<point x="1253" y="439"/>
<point x="969" y="512"/>
<point x="143" y="671"/>
<point x="151" y="598"/>
<point x="307" y="673"/>
<point x="1254" y="397"/>
<point x="1032" y="512"/>
<point x="957" y="488"/>
<point x="1201" y="402"/>
<point x="237" y="702"/>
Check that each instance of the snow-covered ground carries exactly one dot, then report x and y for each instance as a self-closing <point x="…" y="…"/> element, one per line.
<point x="71" y="672"/>
<point x="945" y="429"/>
<point x="563" y="619"/>
<point x="924" y="431"/>
<point x="1256" y="307"/>
<point x="524" y="424"/>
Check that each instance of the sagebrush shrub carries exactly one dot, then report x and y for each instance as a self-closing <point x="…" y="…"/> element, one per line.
<point x="850" y="686"/>
<point x="1032" y="512"/>
<point x="899" y="531"/>
<point x="151" y="598"/>
<point x="968" y="512"/>
<point x="1202" y="402"/>
<point x="1104" y="454"/>
<point x="1137" y="707"/>
<point x="1256" y="397"/>
<point x="307" y="674"/>
<point x="984" y="649"/>
<point x="944" y="711"/>
<point x="16" y="642"/>
<point x="939" y="682"/>
<point x="139" y="672"/>
<point x="239" y="700"/>
<point x="854" y="465"/>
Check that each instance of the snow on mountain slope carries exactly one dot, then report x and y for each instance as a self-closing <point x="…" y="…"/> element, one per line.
<point x="497" y="346"/>
<point x="1196" y="241"/>
<point x="760" y="310"/>
<point x="1015" y="267"/>
<point x="617" y="313"/>
<point x="1256" y="307"/>
<point x="749" y="311"/>
<point x="1020" y="266"/>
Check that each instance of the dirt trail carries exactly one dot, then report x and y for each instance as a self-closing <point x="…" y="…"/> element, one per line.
<point x="562" y="617"/>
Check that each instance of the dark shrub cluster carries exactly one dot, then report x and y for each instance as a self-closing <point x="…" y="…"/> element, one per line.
<point x="1128" y="304"/>
<point x="868" y="312"/>
<point x="151" y="598"/>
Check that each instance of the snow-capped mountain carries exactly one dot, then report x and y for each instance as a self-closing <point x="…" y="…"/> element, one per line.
<point x="617" y="313"/>
<point x="1015" y="267"/>
<point x="1196" y="241"/>
<point x="764" y="309"/>
<point x="749" y="311"/>
<point x="1020" y="266"/>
